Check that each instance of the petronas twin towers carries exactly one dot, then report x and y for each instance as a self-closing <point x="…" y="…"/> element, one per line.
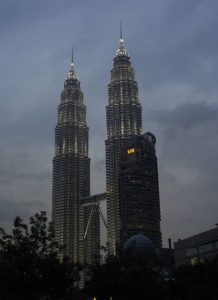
<point x="124" y="120"/>
<point x="71" y="164"/>
<point x="71" y="175"/>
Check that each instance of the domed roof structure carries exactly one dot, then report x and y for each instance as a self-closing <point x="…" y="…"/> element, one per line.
<point x="140" y="246"/>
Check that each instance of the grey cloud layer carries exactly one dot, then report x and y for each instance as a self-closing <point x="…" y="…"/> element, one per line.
<point x="174" y="51"/>
<point x="188" y="167"/>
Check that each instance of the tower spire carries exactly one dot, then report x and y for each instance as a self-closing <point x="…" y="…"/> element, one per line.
<point x="72" y="56"/>
<point x="72" y="72"/>
<point x="121" y="50"/>
<point x="121" y="31"/>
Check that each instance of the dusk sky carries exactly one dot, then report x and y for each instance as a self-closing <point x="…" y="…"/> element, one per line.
<point x="173" y="47"/>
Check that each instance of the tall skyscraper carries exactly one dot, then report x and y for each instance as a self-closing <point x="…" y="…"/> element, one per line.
<point x="124" y="120"/>
<point x="71" y="176"/>
<point x="139" y="190"/>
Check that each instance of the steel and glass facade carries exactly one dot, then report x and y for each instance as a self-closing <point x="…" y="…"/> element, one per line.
<point x="139" y="190"/>
<point x="71" y="176"/>
<point x="124" y="120"/>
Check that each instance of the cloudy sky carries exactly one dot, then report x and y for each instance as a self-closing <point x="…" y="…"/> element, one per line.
<point x="174" y="49"/>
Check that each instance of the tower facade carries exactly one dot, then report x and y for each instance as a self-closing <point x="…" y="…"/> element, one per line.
<point x="139" y="190"/>
<point x="124" y="121"/>
<point x="71" y="175"/>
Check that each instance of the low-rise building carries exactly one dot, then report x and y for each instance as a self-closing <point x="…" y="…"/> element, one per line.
<point x="196" y="248"/>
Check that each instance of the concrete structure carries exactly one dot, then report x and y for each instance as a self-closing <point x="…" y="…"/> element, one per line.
<point x="139" y="190"/>
<point x="124" y="120"/>
<point x="71" y="177"/>
<point x="197" y="247"/>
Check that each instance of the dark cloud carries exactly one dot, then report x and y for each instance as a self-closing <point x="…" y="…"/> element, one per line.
<point x="173" y="47"/>
<point x="181" y="47"/>
<point x="186" y="118"/>
<point x="25" y="183"/>
<point x="188" y="167"/>
<point x="10" y="209"/>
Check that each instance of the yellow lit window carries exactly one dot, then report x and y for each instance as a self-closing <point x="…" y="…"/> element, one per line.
<point x="131" y="150"/>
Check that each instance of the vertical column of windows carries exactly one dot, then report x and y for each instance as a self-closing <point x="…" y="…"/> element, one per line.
<point x="122" y="113"/>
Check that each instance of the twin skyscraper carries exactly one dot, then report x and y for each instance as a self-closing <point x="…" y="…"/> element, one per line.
<point x="132" y="190"/>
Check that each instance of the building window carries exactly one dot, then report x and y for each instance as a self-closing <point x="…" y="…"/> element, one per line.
<point x="206" y="248"/>
<point x="191" y="252"/>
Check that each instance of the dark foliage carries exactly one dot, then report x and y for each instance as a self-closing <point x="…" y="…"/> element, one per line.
<point x="29" y="264"/>
<point x="30" y="270"/>
<point x="127" y="280"/>
<point x="122" y="279"/>
<point x="199" y="281"/>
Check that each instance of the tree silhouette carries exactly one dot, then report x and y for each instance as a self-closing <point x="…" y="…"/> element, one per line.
<point x="132" y="277"/>
<point x="29" y="264"/>
<point x="125" y="278"/>
<point x="199" y="281"/>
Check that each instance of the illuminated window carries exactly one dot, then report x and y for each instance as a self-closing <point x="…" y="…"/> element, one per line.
<point x="131" y="150"/>
<point x="193" y="261"/>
